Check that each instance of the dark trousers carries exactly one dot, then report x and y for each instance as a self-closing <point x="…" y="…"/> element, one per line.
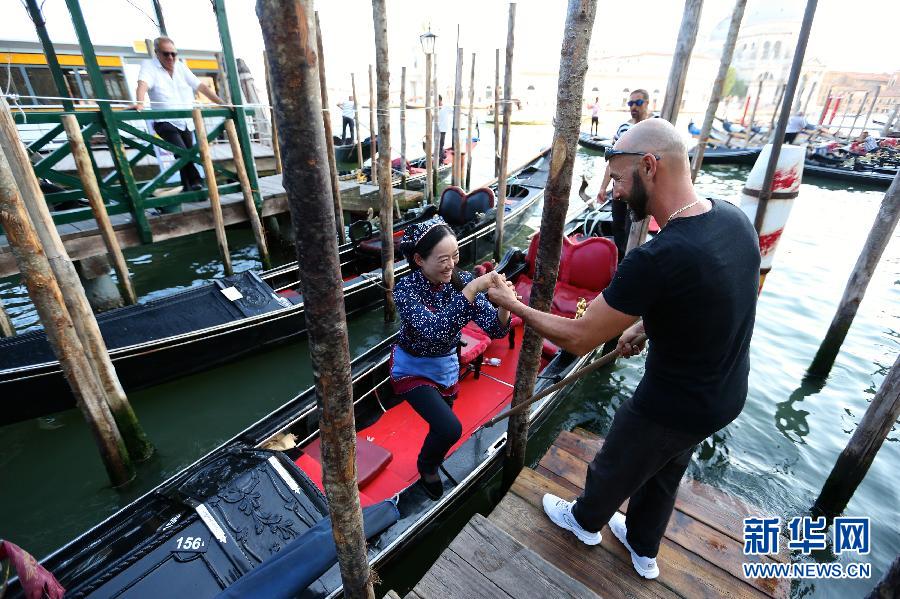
<point x="183" y="139"/>
<point x="790" y="137"/>
<point x="595" y="125"/>
<point x="443" y="135"/>
<point x="621" y="225"/>
<point x="641" y="461"/>
<point x="444" y="428"/>
<point x="346" y="122"/>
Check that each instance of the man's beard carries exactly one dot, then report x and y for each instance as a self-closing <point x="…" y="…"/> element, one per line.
<point x="637" y="199"/>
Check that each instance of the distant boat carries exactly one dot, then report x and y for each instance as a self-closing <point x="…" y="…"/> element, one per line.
<point x="594" y="142"/>
<point x="347" y="152"/>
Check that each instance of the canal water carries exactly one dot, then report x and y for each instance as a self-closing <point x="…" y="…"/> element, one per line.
<point x="775" y="456"/>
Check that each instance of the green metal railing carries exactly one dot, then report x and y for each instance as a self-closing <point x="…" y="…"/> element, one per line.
<point x="121" y="190"/>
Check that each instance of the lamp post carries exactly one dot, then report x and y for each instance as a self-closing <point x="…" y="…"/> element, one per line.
<point x="427" y="40"/>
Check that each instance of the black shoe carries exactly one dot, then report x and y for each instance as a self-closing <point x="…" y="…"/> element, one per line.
<point x="196" y="187"/>
<point x="434" y="489"/>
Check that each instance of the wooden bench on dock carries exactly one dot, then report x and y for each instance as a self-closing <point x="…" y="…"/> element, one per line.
<point x="518" y="552"/>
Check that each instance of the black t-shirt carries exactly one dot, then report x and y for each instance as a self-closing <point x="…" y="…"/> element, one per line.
<point x="695" y="285"/>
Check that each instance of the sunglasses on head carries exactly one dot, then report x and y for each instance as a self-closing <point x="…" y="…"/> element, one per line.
<point x="639" y="102"/>
<point x="169" y="54"/>
<point x="609" y="153"/>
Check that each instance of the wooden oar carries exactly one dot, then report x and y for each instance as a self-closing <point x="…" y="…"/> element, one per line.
<point x="581" y="372"/>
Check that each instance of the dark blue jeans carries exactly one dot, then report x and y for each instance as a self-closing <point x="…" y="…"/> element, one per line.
<point x="444" y="428"/>
<point x="642" y="461"/>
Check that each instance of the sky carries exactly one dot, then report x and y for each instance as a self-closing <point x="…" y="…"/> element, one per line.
<point x="855" y="40"/>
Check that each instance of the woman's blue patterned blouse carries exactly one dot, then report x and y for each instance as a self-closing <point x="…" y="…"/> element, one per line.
<point x="433" y="315"/>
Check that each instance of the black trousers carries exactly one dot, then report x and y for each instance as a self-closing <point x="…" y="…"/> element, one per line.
<point x="790" y="137"/>
<point x="444" y="428"/>
<point x="443" y="135"/>
<point x="184" y="139"/>
<point x="641" y="461"/>
<point x="346" y="122"/>
<point x="621" y="225"/>
<point x="595" y="125"/>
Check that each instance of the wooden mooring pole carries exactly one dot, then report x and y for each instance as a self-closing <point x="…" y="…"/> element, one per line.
<point x="215" y="205"/>
<point x="259" y="233"/>
<point x="457" y="119"/>
<point x="6" y="326"/>
<point x="507" y="116"/>
<point x="469" y="125"/>
<point x="403" y="166"/>
<point x="787" y="95"/>
<point x="287" y="28"/>
<point x="276" y="147"/>
<point x="92" y="193"/>
<point x="573" y="65"/>
<point x="359" y="154"/>
<point x="372" y="128"/>
<point x="429" y="133"/>
<point x="329" y="141"/>
<point x="716" y="95"/>
<point x="438" y="150"/>
<point x="45" y="292"/>
<point x="139" y="447"/>
<point x="497" y="113"/>
<point x="854" y="461"/>
<point x="385" y="214"/>
<point x="687" y="36"/>
<point x="865" y="124"/>
<point x="878" y="239"/>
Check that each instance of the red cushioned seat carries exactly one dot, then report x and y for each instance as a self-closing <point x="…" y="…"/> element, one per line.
<point x="566" y="297"/>
<point x="373" y="246"/>
<point x="476" y="343"/>
<point x="291" y="295"/>
<point x="371" y="459"/>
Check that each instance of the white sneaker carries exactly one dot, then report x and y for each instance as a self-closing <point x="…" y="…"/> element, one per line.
<point x="645" y="566"/>
<point x="560" y="512"/>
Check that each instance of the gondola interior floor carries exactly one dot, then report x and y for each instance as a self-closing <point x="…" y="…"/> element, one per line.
<point x="401" y="431"/>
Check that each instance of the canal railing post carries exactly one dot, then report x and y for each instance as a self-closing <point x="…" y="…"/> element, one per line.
<point x="372" y="128"/>
<point x="470" y="124"/>
<point x="359" y="153"/>
<point x="215" y="205"/>
<point x="403" y="166"/>
<point x="329" y="141"/>
<point x="45" y="293"/>
<point x="240" y="168"/>
<point x="94" y="197"/>
<point x="716" y="95"/>
<point x="876" y="242"/>
<point x="6" y="326"/>
<point x="573" y="65"/>
<point x="67" y="279"/>
<point x="787" y="101"/>
<point x="497" y="113"/>
<point x="681" y="59"/>
<point x="288" y="28"/>
<point x="854" y="461"/>
<point x="507" y="116"/>
<point x="429" y="133"/>
<point x="385" y="214"/>
<point x="457" y="119"/>
<point x="59" y="79"/>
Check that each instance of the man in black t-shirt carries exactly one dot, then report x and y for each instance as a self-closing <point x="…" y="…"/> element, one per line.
<point x="695" y="287"/>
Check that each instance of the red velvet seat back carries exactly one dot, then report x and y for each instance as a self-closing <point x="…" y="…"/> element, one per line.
<point x="589" y="264"/>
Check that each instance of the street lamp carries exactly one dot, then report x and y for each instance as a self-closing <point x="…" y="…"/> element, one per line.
<point x="427" y="39"/>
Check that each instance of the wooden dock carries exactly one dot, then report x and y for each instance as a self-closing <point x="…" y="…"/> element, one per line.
<point x="83" y="239"/>
<point x="518" y="552"/>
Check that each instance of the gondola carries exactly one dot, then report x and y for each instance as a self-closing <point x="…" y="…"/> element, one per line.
<point x="347" y="152"/>
<point x="726" y="155"/>
<point x="593" y="142"/>
<point x="852" y="171"/>
<point x="211" y="324"/>
<point x="249" y="507"/>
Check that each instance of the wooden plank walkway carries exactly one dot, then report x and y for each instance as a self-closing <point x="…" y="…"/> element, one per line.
<point x="83" y="239"/>
<point x="700" y="556"/>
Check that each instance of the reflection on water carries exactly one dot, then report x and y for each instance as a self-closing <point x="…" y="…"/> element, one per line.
<point x="776" y="455"/>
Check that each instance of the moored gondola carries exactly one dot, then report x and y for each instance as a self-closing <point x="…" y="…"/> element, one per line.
<point x="257" y="496"/>
<point x="726" y="155"/>
<point x="347" y="152"/>
<point x="593" y="142"/>
<point x="211" y="324"/>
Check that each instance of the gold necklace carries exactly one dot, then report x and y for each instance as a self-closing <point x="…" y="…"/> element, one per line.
<point x="682" y="209"/>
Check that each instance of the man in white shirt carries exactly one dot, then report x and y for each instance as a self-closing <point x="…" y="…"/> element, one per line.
<point x="171" y="85"/>
<point x="445" y="121"/>
<point x="348" y="113"/>
<point x="795" y="125"/>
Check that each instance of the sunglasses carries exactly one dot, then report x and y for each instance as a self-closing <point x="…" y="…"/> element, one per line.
<point x="609" y="153"/>
<point x="638" y="103"/>
<point x="169" y="54"/>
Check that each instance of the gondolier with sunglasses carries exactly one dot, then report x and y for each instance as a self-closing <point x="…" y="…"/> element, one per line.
<point x="435" y="301"/>
<point x="639" y="106"/>
<point x="695" y="286"/>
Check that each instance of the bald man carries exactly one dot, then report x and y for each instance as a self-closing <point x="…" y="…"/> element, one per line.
<point x="694" y="286"/>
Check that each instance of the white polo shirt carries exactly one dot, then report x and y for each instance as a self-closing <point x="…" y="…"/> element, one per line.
<point x="167" y="92"/>
<point x="445" y="118"/>
<point x="348" y="109"/>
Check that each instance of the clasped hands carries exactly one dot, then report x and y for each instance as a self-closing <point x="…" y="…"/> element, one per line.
<point x="500" y="291"/>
